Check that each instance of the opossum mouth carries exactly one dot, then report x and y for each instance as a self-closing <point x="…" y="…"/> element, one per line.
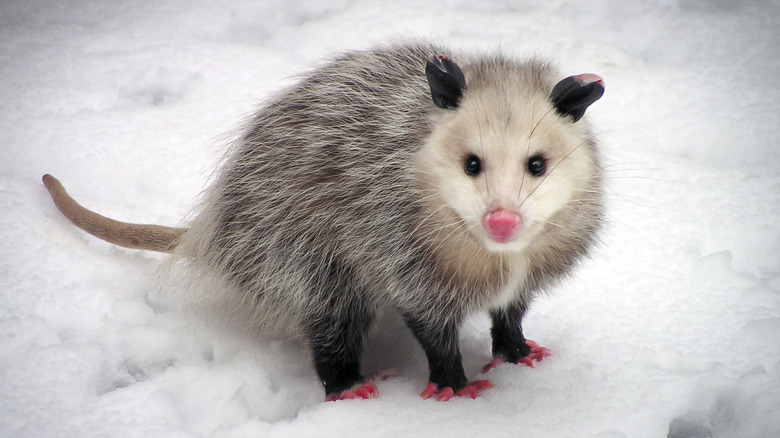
<point x="504" y="239"/>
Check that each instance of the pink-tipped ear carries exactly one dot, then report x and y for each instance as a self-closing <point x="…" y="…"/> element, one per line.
<point x="574" y="94"/>
<point x="446" y="80"/>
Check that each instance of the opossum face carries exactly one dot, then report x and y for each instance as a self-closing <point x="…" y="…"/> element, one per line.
<point x="505" y="161"/>
<point x="505" y="176"/>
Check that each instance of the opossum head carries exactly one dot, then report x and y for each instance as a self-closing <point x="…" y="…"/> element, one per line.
<point x="507" y="150"/>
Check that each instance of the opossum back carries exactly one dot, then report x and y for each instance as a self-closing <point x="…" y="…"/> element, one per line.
<point x="324" y="170"/>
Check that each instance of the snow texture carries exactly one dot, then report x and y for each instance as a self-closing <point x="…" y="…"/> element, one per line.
<point x="673" y="328"/>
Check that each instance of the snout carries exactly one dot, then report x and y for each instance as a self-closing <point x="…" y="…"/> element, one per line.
<point x="502" y="225"/>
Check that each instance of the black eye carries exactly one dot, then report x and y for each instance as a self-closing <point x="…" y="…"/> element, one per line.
<point x="537" y="165"/>
<point x="472" y="166"/>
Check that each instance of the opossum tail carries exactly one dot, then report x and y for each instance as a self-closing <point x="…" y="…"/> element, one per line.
<point x="136" y="236"/>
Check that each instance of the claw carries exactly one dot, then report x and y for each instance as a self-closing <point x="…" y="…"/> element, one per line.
<point x="367" y="391"/>
<point x="493" y="363"/>
<point x="471" y="390"/>
<point x="537" y="355"/>
<point x="527" y="361"/>
<point x="364" y="391"/>
<point x="429" y="391"/>
<point x="446" y="394"/>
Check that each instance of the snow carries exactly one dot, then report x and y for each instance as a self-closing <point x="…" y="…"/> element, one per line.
<point x="672" y="328"/>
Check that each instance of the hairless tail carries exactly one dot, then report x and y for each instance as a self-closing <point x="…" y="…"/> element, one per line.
<point x="136" y="236"/>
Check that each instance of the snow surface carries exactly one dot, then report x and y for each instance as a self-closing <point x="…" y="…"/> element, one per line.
<point x="672" y="328"/>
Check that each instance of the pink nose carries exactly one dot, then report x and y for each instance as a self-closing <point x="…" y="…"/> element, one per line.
<point x="502" y="225"/>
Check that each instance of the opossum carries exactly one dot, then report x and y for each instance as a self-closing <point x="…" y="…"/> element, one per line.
<point x="408" y="175"/>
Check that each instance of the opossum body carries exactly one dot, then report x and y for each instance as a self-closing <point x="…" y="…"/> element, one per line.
<point x="397" y="176"/>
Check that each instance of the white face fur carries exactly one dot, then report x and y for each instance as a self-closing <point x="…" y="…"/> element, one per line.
<point x="503" y="134"/>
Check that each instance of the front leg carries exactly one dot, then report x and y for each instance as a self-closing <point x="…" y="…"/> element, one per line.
<point x="439" y="339"/>
<point x="509" y="344"/>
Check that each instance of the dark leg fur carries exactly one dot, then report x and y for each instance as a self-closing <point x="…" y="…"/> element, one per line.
<point x="509" y="343"/>
<point x="336" y="345"/>
<point x="337" y="333"/>
<point x="440" y="342"/>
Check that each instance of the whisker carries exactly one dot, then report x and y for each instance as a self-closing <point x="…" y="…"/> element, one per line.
<point x="482" y="154"/>
<point x="552" y="170"/>
<point x="528" y="144"/>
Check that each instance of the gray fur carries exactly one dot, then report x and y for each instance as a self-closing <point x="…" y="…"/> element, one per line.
<point x="326" y="183"/>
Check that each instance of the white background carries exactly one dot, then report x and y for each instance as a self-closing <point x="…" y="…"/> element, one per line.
<point x="677" y="316"/>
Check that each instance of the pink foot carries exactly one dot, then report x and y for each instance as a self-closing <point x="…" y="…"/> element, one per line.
<point x="472" y="390"/>
<point x="537" y="355"/>
<point x="364" y="391"/>
<point x="493" y="363"/>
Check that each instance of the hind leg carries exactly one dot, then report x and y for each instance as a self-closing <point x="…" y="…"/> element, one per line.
<point x="336" y="341"/>
<point x="509" y="343"/>
<point x="336" y="329"/>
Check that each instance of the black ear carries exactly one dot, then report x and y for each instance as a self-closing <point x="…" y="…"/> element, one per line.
<point x="573" y="95"/>
<point x="446" y="80"/>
